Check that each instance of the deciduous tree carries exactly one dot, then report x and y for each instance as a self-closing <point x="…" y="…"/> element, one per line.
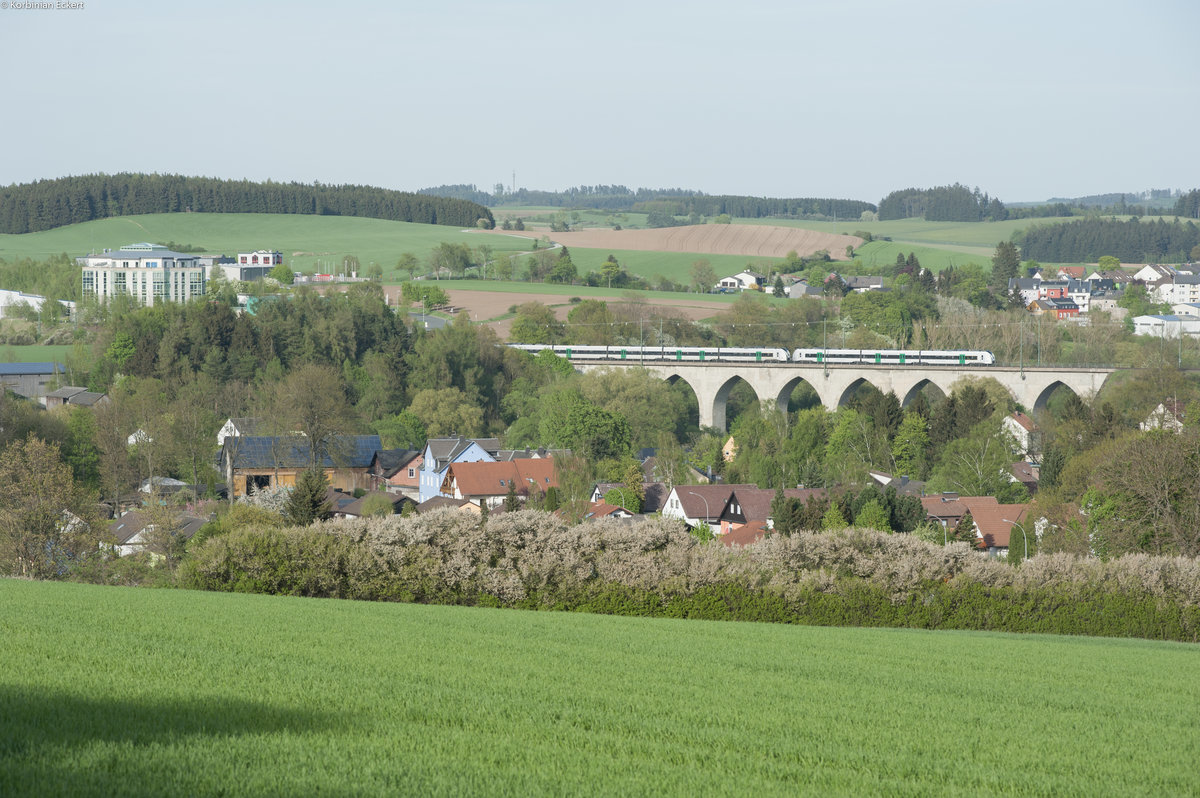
<point x="46" y="521"/>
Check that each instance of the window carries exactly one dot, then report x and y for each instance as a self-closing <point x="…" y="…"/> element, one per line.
<point x="502" y="483"/>
<point x="411" y="473"/>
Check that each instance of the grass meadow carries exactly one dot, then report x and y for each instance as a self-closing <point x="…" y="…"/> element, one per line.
<point x="322" y="240"/>
<point x="677" y="266"/>
<point x="167" y="692"/>
<point x="35" y="353"/>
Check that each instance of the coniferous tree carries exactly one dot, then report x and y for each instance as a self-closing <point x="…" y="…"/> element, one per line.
<point x="511" y="502"/>
<point x="965" y="529"/>
<point x="308" y="502"/>
<point x="1006" y="264"/>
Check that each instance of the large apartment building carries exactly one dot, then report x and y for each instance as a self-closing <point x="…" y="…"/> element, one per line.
<point x="149" y="273"/>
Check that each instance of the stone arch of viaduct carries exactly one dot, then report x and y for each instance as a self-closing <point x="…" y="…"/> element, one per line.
<point x="1030" y="387"/>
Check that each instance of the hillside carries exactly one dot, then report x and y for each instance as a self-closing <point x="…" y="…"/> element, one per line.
<point x="767" y="241"/>
<point x="307" y="242"/>
<point x="47" y="204"/>
<point x="231" y="694"/>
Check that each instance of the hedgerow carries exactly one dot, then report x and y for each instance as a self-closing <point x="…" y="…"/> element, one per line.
<point x="654" y="568"/>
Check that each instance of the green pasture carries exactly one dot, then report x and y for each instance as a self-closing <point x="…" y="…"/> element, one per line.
<point x="324" y="240"/>
<point x="883" y="253"/>
<point x="125" y="691"/>
<point x="35" y="353"/>
<point x="584" y="292"/>
<point x="677" y="266"/>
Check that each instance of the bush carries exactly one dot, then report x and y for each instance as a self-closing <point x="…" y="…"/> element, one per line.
<point x="856" y="577"/>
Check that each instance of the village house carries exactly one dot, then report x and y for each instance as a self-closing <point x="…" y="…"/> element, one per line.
<point x="132" y="531"/>
<point x="860" y="284"/>
<point x="440" y="453"/>
<point x="1168" y="415"/>
<point x="261" y="461"/>
<point x="745" y="535"/>
<point x="903" y="485"/>
<point x="398" y="471"/>
<point x="1057" y="308"/>
<point x="742" y="281"/>
<point x="438" y="503"/>
<point x="654" y="494"/>
<point x="489" y="483"/>
<point x="1024" y="431"/>
<point x="747" y="505"/>
<point x="598" y="510"/>
<point x="237" y="427"/>
<point x="993" y="521"/>
<point x="801" y="289"/>
<point x="699" y="505"/>
<point x="1028" y="474"/>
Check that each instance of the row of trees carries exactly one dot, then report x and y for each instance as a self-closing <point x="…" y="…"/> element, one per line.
<point x="670" y="201"/>
<point x="47" y="204"/>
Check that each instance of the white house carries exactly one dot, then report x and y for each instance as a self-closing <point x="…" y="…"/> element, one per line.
<point x="149" y="273"/>
<point x="440" y="453"/>
<point x="1168" y="415"/>
<point x="1023" y="430"/>
<point x="742" y="281"/>
<point x="1153" y="272"/>
<point x="698" y="505"/>
<point x="1178" y="289"/>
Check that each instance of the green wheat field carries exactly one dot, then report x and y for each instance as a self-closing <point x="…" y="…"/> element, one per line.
<point x="164" y="692"/>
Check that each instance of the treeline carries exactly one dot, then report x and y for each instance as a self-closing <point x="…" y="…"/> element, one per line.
<point x="47" y="204"/>
<point x="672" y="201"/>
<point x="1132" y="241"/>
<point x="614" y="198"/>
<point x="955" y="203"/>
<point x="1188" y="205"/>
<point x="760" y="207"/>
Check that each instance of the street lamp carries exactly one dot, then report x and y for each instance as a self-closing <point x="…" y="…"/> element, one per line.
<point x="707" y="514"/>
<point x="622" y="492"/>
<point x="1024" y="536"/>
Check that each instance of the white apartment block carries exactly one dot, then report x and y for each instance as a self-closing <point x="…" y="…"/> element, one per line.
<point x="150" y="273"/>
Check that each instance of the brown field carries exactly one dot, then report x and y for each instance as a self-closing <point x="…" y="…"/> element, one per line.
<point x="712" y="239"/>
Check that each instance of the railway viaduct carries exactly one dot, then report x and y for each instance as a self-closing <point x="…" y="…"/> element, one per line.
<point x="836" y="384"/>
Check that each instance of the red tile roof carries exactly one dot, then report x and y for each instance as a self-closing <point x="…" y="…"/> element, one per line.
<point x="745" y="535"/>
<point x="1024" y="420"/>
<point x="994" y="522"/>
<point x="493" y="479"/>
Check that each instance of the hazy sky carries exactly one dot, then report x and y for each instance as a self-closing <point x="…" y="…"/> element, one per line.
<point x="830" y="98"/>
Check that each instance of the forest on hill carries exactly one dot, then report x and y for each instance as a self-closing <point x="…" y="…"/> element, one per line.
<point x="46" y="204"/>
<point x="1131" y="241"/>
<point x="673" y="201"/>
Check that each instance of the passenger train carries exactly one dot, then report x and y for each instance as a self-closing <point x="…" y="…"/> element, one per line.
<point x="727" y="354"/>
